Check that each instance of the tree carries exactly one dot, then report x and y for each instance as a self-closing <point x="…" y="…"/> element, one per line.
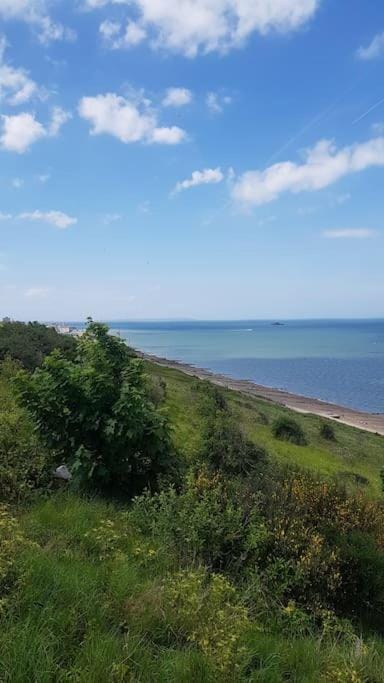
<point x="30" y="343"/>
<point x="95" y="413"/>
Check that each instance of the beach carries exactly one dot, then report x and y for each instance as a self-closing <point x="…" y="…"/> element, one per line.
<point x="369" y="422"/>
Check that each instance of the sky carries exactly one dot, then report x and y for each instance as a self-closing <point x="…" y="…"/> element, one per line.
<point x="207" y="159"/>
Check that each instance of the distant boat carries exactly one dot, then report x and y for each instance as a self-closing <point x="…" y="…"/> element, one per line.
<point x="278" y="324"/>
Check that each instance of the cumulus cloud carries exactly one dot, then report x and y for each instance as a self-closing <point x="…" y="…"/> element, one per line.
<point x="56" y="218"/>
<point x="323" y="165"/>
<point x="349" y="233"/>
<point x="216" y="102"/>
<point x="374" y="50"/>
<point x="193" y="26"/>
<point x="35" y="13"/>
<point x="128" y="120"/>
<point x="208" y="176"/>
<point x="177" y="97"/>
<point x="118" y="36"/>
<point x="21" y="131"/>
<point x="5" y="216"/>
<point x="16" y="86"/>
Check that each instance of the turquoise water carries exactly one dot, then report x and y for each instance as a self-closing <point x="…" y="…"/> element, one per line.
<point x="337" y="361"/>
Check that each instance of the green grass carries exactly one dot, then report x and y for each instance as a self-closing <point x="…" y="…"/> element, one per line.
<point x="88" y="606"/>
<point x="355" y="457"/>
<point x="77" y="616"/>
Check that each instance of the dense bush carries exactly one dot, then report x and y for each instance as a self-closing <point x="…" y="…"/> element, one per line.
<point x="327" y="431"/>
<point x="287" y="429"/>
<point x="25" y="464"/>
<point x="30" y="343"/>
<point x="225" y="449"/>
<point x="94" y="412"/>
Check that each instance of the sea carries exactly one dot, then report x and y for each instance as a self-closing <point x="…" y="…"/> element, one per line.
<point x="338" y="361"/>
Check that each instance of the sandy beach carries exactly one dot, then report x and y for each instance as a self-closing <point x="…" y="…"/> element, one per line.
<point x="370" y="422"/>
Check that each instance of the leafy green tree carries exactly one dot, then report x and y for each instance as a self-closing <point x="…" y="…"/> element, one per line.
<point x="94" y="412"/>
<point x="30" y="343"/>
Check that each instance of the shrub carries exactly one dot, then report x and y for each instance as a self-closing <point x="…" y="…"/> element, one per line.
<point x="327" y="431"/>
<point x="287" y="429"/>
<point x="29" y="343"/>
<point x="201" y="524"/>
<point x="225" y="448"/>
<point x="205" y="611"/>
<point x="95" y="414"/>
<point x="24" y="464"/>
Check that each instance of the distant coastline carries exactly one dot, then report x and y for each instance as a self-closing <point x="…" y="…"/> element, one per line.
<point x="369" y="422"/>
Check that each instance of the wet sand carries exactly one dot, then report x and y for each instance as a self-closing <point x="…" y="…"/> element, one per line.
<point x="370" y="422"/>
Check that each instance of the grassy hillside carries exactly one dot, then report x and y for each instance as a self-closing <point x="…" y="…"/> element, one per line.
<point x="230" y="568"/>
<point x="355" y="457"/>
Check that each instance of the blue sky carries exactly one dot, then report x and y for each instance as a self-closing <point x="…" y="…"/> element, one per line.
<point x="191" y="159"/>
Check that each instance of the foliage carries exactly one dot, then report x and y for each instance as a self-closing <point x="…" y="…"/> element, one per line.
<point x="206" y="612"/>
<point x="205" y="523"/>
<point x="94" y="413"/>
<point x="225" y="448"/>
<point x="29" y="343"/>
<point x="327" y="431"/>
<point x="24" y="463"/>
<point x="287" y="429"/>
<point x="12" y="542"/>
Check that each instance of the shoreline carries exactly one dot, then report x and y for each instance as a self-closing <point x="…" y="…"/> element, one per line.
<point x="369" y="422"/>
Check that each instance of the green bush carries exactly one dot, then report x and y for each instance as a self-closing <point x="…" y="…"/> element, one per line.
<point x="327" y="431"/>
<point x="95" y="413"/>
<point x="225" y="449"/>
<point x="29" y="343"/>
<point x="287" y="429"/>
<point x="25" y="465"/>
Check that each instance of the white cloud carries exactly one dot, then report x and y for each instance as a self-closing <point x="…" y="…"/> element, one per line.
<point x="36" y="292"/>
<point x="323" y="165"/>
<point x="5" y="216"/>
<point x="56" y="218"/>
<point x="374" y="50"/>
<point x="205" y="177"/>
<point x="216" y="102"/>
<point x="43" y="178"/>
<point x="127" y="120"/>
<point x="35" y="13"/>
<point x="21" y="131"/>
<point x="16" y="87"/>
<point x="117" y="36"/>
<point x="193" y="26"/>
<point x="59" y="118"/>
<point x="17" y="183"/>
<point x="168" y="136"/>
<point x="177" y="97"/>
<point x="109" y="218"/>
<point x="349" y="233"/>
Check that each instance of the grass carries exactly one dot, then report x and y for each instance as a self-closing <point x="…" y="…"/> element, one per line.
<point x="82" y="617"/>
<point x="87" y="602"/>
<point x="355" y="457"/>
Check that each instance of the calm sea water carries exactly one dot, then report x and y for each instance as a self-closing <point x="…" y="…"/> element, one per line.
<point x="337" y="361"/>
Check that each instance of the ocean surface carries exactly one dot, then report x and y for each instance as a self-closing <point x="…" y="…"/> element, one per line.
<point x="337" y="361"/>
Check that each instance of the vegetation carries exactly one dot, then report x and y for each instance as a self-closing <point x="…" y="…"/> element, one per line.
<point x="94" y="413"/>
<point x="30" y="343"/>
<point x="326" y="431"/>
<point x="248" y="557"/>
<point x="287" y="429"/>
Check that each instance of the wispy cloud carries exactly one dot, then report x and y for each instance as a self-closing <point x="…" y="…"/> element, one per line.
<point x="177" y="97"/>
<point x="373" y="50"/>
<point x="56" y="218"/>
<point x="323" y="165"/>
<point x="350" y="233"/>
<point x="206" y="177"/>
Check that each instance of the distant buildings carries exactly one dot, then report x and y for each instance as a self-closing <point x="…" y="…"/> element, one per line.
<point x="6" y="320"/>
<point x="62" y="328"/>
